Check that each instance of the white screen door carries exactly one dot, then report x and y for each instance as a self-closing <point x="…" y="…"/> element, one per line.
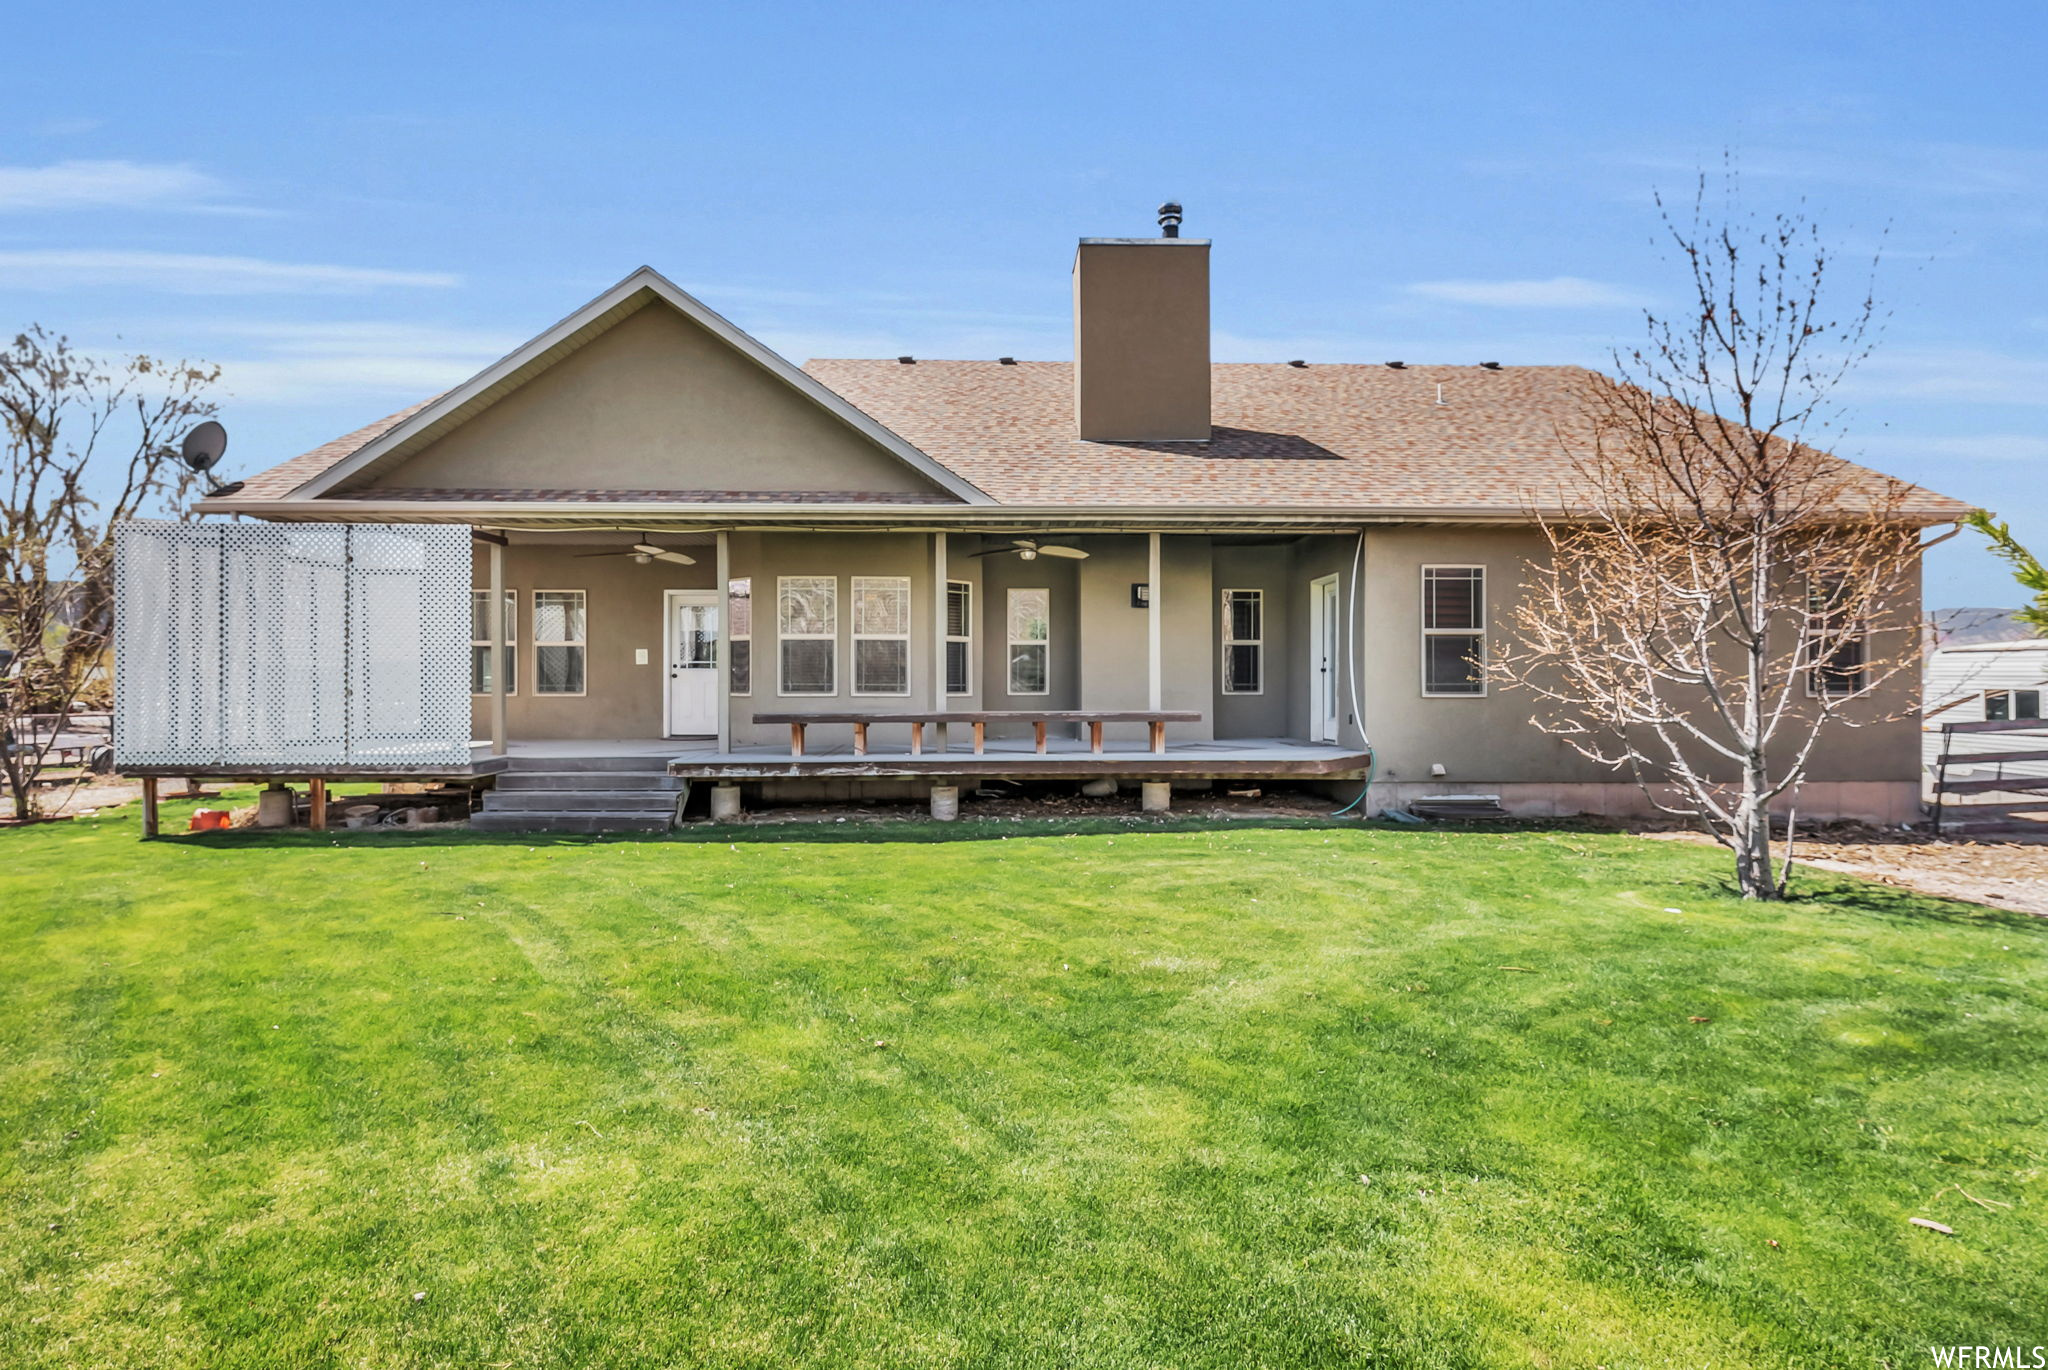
<point x="692" y="663"/>
<point x="1325" y="649"/>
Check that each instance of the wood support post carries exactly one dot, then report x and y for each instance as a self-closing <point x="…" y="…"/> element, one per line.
<point x="722" y="617"/>
<point x="796" y="739"/>
<point x="1038" y="734"/>
<point x="1155" y="592"/>
<point x="939" y="606"/>
<point x="917" y="738"/>
<point x="980" y="735"/>
<point x="860" y="739"/>
<point x="149" y="811"/>
<point x="316" y="805"/>
<point x="1158" y="739"/>
<point x="1095" y="736"/>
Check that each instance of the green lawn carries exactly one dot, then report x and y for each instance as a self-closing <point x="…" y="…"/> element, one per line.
<point x="1002" y="1096"/>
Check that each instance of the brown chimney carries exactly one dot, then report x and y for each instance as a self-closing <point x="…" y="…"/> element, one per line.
<point x="1141" y="337"/>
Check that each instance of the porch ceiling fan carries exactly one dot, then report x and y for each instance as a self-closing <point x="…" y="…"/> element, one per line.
<point x="644" y="552"/>
<point x="1031" y="550"/>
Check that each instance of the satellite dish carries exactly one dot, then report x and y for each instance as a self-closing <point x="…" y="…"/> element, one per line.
<point x="201" y="450"/>
<point x="204" y="446"/>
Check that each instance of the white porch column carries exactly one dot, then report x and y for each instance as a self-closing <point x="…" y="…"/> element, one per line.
<point x="939" y="608"/>
<point x="495" y="612"/>
<point x="1152" y="651"/>
<point x="723" y="620"/>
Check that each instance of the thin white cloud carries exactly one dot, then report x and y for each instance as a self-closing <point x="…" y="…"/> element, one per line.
<point x="114" y="185"/>
<point x="1558" y="292"/>
<point x="372" y="363"/>
<point x="192" y="274"/>
<point x="1994" y="447"/>
<point x="1952" y="375"/>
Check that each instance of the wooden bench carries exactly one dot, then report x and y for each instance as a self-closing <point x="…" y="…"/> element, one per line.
<point x="980" y="719"/>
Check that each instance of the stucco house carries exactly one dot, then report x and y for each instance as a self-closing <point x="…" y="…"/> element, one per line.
<point x="644" y="548"/>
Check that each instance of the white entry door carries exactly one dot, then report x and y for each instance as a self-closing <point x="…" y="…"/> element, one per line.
<point x="692" y="663"/>
<point x="1325" y="649"/>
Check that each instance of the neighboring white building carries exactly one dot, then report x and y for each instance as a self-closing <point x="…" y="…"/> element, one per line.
<point x="1979" y="682"/>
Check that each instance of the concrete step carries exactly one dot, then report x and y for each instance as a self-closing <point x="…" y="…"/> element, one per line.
<point x="652" y="764"/>
<point x="569" y="801"/>
<point x="588" y="780"/>
<point x="592" y="820"/>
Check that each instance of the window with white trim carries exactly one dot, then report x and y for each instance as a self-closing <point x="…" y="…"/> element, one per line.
<point x="739" y="639"/>
<point x="1453" y="631"/>
<point x="807" y="629"/>
<point x="959" y="637"/>
<point x="560" y="642"/>
<point x="1030" y="629"/>
<point x="1244" y="642"/>
<point x="881" y="635"/>
<point x="2008" y="706"/>
<point x="1838" y="646"/>
<point x="480" y="642"/>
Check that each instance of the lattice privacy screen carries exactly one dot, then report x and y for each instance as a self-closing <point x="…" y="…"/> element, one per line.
<point x="291" y="644"/>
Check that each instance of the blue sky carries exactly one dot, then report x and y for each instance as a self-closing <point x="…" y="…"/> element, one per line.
<point x="353" y="208"/>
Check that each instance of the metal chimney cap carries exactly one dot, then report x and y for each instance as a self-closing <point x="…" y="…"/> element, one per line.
<point x="1169" y="219"/>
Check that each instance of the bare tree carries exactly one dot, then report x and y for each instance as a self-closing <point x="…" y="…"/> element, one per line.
<point x="1719" y="591"/>
<point x="89" y="442"/>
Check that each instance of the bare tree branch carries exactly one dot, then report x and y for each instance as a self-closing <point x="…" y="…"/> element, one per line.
<point x="63" y="414"/>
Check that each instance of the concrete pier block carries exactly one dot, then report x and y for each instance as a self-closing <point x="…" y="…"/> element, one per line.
<point x="274" y="807"/>
<point x="1156" y="796"/>
<point x="725" y="803"/>
<point x="945" y="803"/>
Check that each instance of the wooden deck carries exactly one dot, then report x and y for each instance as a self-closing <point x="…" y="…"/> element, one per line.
<point x="1019" y="759"/>
<point x="1013" y="758"/>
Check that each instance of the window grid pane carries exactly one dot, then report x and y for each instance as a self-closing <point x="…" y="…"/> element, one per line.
<point x="1243" y="649"/>
<point x="959" y="637"/>
<point x="1027" y="668"/>
<point x="1030" y="636"/>
<point x="1452" y="599"/>
<point x="957" y="681"/>
<point x="1030" y="618"/>
<point x="808" y="666"/>
<point x="1453" y="630"/>
<point x="480" y="642"/>
<point x="881" y="665"/>
<point x="881" y="606"/>
<point x="739" y="600"/>
<point x="557" y="670"/>
<point x="559" y="633"/>
<point x="959" y="609"/>
<point x="808" y="606"/>
<point x="1451" y="659"/>
<point x="807" y="615"/>
<point x="742" y="665"/>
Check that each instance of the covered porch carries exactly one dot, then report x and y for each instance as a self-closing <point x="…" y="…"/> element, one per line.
<point x="323" y="652"/>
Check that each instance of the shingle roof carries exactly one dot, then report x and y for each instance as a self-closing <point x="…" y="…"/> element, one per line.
<point x="437" y="495"/>
<point x="1321" y="436"/>
<point x="287" y="476"/>
<point x="1352" y="437"/>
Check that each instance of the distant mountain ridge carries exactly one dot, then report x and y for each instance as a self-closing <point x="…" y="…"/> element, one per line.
<point x="1974" y="627"/>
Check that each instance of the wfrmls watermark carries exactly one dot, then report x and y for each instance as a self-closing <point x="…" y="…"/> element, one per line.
<point x="1991" y="1357"/>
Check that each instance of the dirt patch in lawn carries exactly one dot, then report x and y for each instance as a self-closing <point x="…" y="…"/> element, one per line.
<point x="2005" y="875"/>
